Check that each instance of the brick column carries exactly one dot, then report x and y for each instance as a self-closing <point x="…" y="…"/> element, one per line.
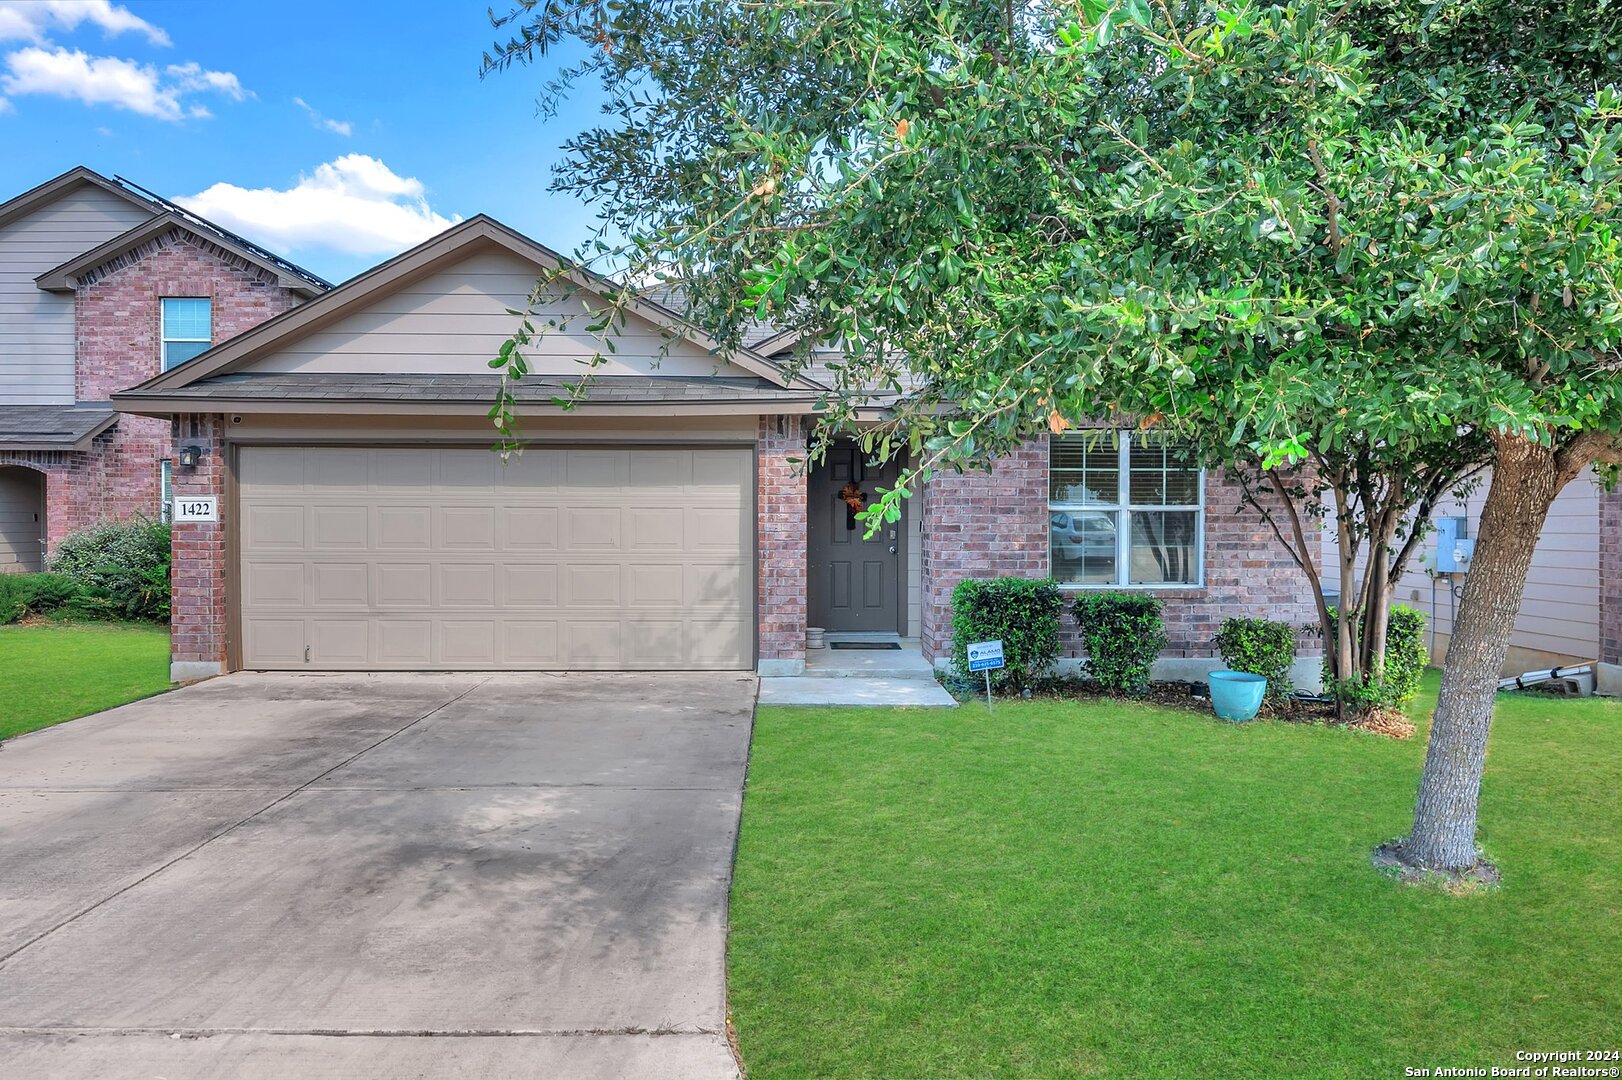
<point x="981" y="524"/>
<point x="780" y="496"/>
<point x="1610" y="577"/>
<point x="198" y="628"/>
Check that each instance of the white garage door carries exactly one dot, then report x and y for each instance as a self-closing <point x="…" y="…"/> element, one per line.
<point x="437" y="559"/>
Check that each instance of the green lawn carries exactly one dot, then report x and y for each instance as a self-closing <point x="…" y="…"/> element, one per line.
<point x="1095" y="889"/>
<point x="56" y="671"/>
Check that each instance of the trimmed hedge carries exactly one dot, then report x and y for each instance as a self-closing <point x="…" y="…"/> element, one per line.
<point x="1260" y="647"/>
<point x="1021" y="612"/>
<point x="1123" y="634"/>
<point x="1406" y="657"/>
<point x="122" y="569"/>
<point x="22" y="595"/>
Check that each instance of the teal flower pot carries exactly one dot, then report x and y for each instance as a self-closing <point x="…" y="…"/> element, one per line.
<point x="1236" y="695"/>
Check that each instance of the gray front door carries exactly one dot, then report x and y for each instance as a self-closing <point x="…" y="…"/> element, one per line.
<point x="855" y="581"/>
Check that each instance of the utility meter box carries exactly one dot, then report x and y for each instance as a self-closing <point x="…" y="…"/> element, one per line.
<point x="1454" y="545"/>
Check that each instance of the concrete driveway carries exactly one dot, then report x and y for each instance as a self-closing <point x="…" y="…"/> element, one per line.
<point x="375" y="876"/>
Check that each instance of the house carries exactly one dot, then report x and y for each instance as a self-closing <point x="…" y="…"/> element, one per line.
<point x="102" y="287"/>
<point x="352" y="515"/>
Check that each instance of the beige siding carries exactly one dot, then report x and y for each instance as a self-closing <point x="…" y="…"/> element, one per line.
<point x="36" y="327"/>
<point x="455" y="320"/>
<point x="1559" y="617"/>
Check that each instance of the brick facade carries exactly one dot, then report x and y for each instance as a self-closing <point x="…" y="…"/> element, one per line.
<point x="1610" y="577"/>
<point x="780" y="523"/>
<point x="198" y="625"/>
<point x="118" y="343"/>
<point x="980" y="524"/>
<point x="996" y="524"/>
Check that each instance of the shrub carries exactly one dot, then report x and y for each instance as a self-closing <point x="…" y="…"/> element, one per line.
<point x="1022" y="612"/>
<point x="1406" y="657"/>
<point x="122" y="569"/>
<point x="1260" y="647"/>
<point x="34" y="594"/>
<point x="1123" y="633"/>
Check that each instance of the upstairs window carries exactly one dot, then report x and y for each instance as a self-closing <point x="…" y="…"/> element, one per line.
<point x="1125" y="510"/>
<point x="188" y="328"/>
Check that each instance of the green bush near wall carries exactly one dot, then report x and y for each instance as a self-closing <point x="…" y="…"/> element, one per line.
<point x="1406" y="658"/>
<point x="1260" y="647"/>
<point x="22" y="595"/>
<point x="1023" y="613"/>
<point x="122" y="569"/>
<point x="1123" y="634"/>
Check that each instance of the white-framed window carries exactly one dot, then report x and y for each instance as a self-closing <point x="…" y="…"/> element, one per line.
<point x="1125" y="510"/>
<point x="188" y="328"/>
<point x="166" y="489"/>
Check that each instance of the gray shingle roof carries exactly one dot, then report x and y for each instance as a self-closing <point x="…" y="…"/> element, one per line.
<point x="53" y="427"/>
<point x="474" y="389"/>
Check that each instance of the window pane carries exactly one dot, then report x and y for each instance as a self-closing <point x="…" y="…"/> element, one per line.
<point x="178" y="352"/>
<point x="187" y="317"/>
<point x="1165" y="547"/>
<point x="1084" y="470"/>
<point x="1083" y="546"/>
<point x="1163" y="473"/>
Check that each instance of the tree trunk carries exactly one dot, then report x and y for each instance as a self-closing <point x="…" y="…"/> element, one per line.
<point x="1525" y="481"/>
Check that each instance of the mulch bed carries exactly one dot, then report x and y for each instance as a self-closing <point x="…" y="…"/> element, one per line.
<point x="1190" y="697"/>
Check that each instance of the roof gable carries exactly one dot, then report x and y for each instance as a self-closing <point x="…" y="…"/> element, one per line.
<point x="66" y="277"/>
<point x="57" y="187"/>
<point x="366" y="324"/>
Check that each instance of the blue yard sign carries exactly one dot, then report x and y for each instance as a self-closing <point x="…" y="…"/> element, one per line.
<point x="985" y="655"/>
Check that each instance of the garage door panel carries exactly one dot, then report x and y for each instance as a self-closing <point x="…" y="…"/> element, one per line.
<point x="340" y="642"/>
<point x="340" y="584"/>
<point x="654" y="585"/>
<point x="403" y="585"/>
<point x="529" y="586"/>
<point x="468" y="642"/>
<point x="591" y="586"/>
<point x="529" y="528"/>
<point x="655" y="528"/>
<point x="404" y="642"/>
<point x="655" y="643"/>
<point x="404" y="528"/>
<point x="273" y="525"/>
<point x="274" y="584"/>
<point x="340" y="526"/>
<point x="406" y="473"/>
<point x="339" y="470"/>
<point x="464" y="585"/>
<point x="467" y="528"/>
<point x="591" y="529"/>
<point x="467" y="474"/>
<point x="274" y="642"/>
<point x="419" y="558"/>
<point x="596" y="472"/>
<point x="532" y="643"/>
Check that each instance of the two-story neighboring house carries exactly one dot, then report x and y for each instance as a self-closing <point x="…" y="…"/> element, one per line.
<point x="101" y="288"/>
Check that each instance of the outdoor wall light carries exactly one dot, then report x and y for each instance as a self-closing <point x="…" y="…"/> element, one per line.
<point x="190" y="456"/>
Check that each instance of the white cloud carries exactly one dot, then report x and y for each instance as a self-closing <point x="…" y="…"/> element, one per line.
<point x="355" y="205"/>
<point x="326" y="123"/>
<point x="108" y="80"/>
<point x="28" y="20"/>
<point x="6" y="106"/>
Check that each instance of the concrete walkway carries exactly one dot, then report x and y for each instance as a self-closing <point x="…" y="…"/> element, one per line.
<point x="375" y="876"/>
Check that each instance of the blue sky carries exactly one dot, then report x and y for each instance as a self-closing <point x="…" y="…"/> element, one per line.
<point x="334" y="133"/>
